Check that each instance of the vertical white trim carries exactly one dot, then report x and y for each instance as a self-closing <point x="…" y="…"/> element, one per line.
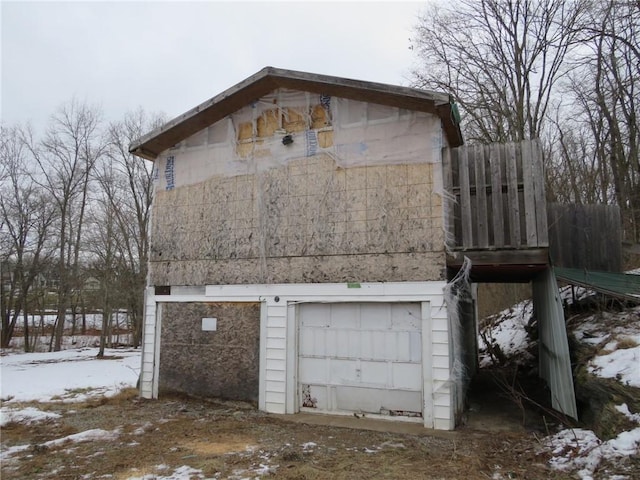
<point x="291" y="359"/>
<point x="141" y="377"/>
<point x="156" y="357"/>
<point x="262" y="382"/>
<point x="427" y="364"/>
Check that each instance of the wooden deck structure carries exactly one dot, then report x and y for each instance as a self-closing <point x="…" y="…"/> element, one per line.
<point x="495" y="210"/>
<point x="496" y="215"/>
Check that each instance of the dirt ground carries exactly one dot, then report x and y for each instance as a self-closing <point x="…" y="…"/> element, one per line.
<point x="233" y="440"/>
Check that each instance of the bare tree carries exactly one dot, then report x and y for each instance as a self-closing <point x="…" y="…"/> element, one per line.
<point x="128" y="186"/>
<point x="26" y="220"/>
<point x="104" y="244"/>
<point x="66" y="158"/>
<point x="607" y="97"/>
<point x="500" y="59"/>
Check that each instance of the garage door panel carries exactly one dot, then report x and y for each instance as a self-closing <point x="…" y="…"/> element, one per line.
<point x="315" y="315"/>
<point x="331" y="342"/>
<point x="415" y="347"/>
<point x="307" y="341"/>
<point x="312" y="370"/>
<point x="361" y="357"/>
<point x="406" y="376"/>
<point x="343" y="372"/>
<point x="375" y="316"/>
<point x="314" y="396"/>
<point x="402" y="347"/>
<point x="372" y="400"/>
<point x="345" y="315"/>
<point x="343" y="349"/>
<point x="380" y="342"/>
<point x="375" y="373"/>
<point x="405" y="316"/>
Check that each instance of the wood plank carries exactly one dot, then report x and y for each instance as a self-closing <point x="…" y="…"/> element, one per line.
<point x="481" y="197"/>
<point x="539" y="194"/>
<point x="465" y="197"/>
<point x="585" y="236"/>
<point x="529" y="256"/>
<point x="495" y="151"/>
<point x="512" y="193"/>
<point x="529" y="195"/>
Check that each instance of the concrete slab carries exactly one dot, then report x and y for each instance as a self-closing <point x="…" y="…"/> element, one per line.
<point x="364" y="423"/>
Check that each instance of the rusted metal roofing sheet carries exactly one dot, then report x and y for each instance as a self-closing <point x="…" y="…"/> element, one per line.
<point x="270" y="78"/>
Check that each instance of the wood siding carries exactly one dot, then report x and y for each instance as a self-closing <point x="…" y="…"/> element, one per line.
<point x="496" y="197"/>
<point x="585" y="236"/>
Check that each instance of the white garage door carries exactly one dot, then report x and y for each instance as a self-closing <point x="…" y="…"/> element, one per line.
<point x="361" y="357"/>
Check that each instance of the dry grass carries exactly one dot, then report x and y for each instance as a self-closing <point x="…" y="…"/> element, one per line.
<point x="626" y="342"/>
<point x="227" y="439"/>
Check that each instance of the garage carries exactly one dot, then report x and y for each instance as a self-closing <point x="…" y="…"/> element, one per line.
<point x="363" y="358"/>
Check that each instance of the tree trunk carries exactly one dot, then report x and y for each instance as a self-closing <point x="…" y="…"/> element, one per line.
<point x="26" y="330"/>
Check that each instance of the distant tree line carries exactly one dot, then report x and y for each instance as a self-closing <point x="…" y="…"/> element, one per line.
<point x="74" y="206"/>
<point x="564" y="71"/>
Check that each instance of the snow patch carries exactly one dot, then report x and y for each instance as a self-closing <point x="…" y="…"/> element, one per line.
<point x="69" y="375"/>
<point x="86" y="436"/>
<point x="622" y="364"/>
<point x="582" y="450"/>
<point x="181" y="473"/>
<point x="27" y="415"/>
<point x="506" y="331"/>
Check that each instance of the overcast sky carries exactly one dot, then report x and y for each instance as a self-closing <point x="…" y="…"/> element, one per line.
<point x="170" y="56"/>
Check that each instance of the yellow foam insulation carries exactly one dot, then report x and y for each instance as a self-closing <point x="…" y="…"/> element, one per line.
<point x="245" y="131"/>
<point x="325" y="139"/>
<point x="294" y="121"/>
<point x="319" y="117"/>
<point x="267" y="123"/>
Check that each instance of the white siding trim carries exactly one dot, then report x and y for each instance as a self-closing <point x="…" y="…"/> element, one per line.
<point x="291" y="405"/>
<point x="262" y="382"/>
<point x="427" y="372"/>
<point x="148" y="388"/>
<point x="156" y="359"/>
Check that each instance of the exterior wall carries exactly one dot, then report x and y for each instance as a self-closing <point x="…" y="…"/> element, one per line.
<point x="222" y="363"/>
<point x="355" y="197"/>
<point x="278" y="337"/>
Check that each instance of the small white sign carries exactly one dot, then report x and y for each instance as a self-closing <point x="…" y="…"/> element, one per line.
<point x="209" y="324"/>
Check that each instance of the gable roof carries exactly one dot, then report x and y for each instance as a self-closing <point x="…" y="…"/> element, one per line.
<point x="269" y="79"/>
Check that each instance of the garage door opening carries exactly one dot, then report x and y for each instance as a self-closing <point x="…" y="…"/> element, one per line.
<point x="361" y="358"/>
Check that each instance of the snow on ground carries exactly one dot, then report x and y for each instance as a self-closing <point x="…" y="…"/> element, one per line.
<point x="506" y="330"/>
<point x="616" y="336"/>
<point x="86" y="436"/>
<point x="582" y="450"/>
<point x="26" y="415"/>
<point x="622" y="364"/>
<point x="181" y="473"/>
<point x="69" y="375"/>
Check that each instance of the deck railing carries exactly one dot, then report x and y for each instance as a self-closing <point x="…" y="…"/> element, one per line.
<point x="496" y="197"/>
